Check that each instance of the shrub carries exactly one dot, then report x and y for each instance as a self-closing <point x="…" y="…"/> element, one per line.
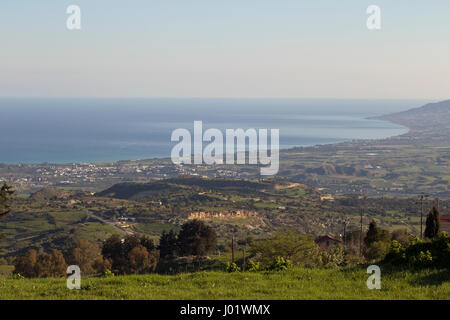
<point x="425" y="259"/>
<point x="402" y="236"/>
<point x="300" y="249"/>
<point x="26" y="264"/>
<point x="377" y="250"/>
<point x="252" y="266"/>
<point x="16" y="276"/>
<point x="280" y="264"/>
<point x="421" y="254"/>
<point x="107" y="274"/>
<point x="333" y="256"/>
<point x="232" y="267"/>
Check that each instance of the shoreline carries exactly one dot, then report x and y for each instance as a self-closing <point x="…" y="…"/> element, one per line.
<point x="167" y="158"/>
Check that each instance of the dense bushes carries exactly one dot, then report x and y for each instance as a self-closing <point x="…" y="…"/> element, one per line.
<point x="299" y="249"/>
<point x="420" y="253"/>
<point x="290" y="245"/>
<point x="280" y="264"/>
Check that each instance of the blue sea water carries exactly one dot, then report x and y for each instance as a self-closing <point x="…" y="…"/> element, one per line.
<point x="90" y="130"/>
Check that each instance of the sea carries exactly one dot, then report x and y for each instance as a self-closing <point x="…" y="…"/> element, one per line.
<point x="54" y="130"/>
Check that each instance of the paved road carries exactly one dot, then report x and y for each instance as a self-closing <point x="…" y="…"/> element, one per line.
<point x="110" y="223"/>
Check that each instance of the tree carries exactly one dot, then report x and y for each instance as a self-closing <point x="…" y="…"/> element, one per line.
<point x="148" y="244"/>
<point x="139" y="259"/>
<point x="432" y="224"/>
<point x="168" y="244"/>
<point x="196" y="238"/>
<point x="59" y="265"/>
<point x="129" y="243"/>
<point x="25" y="265"/>
<point x="375" y="234"/>
<point x="44" y="265"/>
<point x="102" y="264"/>
<point x="131" y="255"/>
<point x="290" y="245"/>
<point x="51" y="265"/>
<point x="84" y="254"/>
<point x="114" y="251"/>
<point x="6" y="193"/>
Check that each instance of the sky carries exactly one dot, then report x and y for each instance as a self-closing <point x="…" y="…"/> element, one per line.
<point x="226" y="48"/>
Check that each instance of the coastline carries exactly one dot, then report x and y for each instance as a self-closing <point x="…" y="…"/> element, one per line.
<point x="67" y="131"/>
<point x="167" y="158"/>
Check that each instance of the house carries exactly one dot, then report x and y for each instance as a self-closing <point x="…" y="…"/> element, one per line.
<point x="328" y="197"/>
<point x="445" y="223"/>
<point x="324" y="242"/>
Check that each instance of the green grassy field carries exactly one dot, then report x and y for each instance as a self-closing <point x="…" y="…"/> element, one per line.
<point x="293" y="284"/>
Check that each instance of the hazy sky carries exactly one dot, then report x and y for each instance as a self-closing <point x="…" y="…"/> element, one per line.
<point x="226" y="48"/>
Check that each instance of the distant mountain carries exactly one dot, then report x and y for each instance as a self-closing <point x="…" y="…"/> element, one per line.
<point x="431" y="121"/>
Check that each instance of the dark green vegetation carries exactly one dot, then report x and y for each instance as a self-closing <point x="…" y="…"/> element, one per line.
<point x="432" y="223"/>
<point x="6" y="193"/>
<point x="188" y="250"/>
<point x="421" y="254"/>
<point x="54" y="219"/>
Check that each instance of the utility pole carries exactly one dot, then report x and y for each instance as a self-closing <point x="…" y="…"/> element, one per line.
<point x="421" y="198"/>
<point x="232" y="249"/>
<point x="361" y="231"/>
<point x="345" y="230"/>
<point x="347" y="222"/>
<point x="243" y="265"/>
<point x="421" y="216"/>
<point x="361" y="211"/>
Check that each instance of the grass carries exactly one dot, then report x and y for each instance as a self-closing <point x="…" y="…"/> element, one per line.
<point x="155" y="228"/>
<point x="298" y="283"/>
<point x="6" y="270"/>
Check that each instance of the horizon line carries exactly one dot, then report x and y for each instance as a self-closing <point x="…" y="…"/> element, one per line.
<point x="222" y="98"/>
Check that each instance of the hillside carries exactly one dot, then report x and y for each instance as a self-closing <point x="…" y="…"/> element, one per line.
<point x="431" y="121"/>
<point x="231" y="207"/>
<point x="141" y="191"/>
